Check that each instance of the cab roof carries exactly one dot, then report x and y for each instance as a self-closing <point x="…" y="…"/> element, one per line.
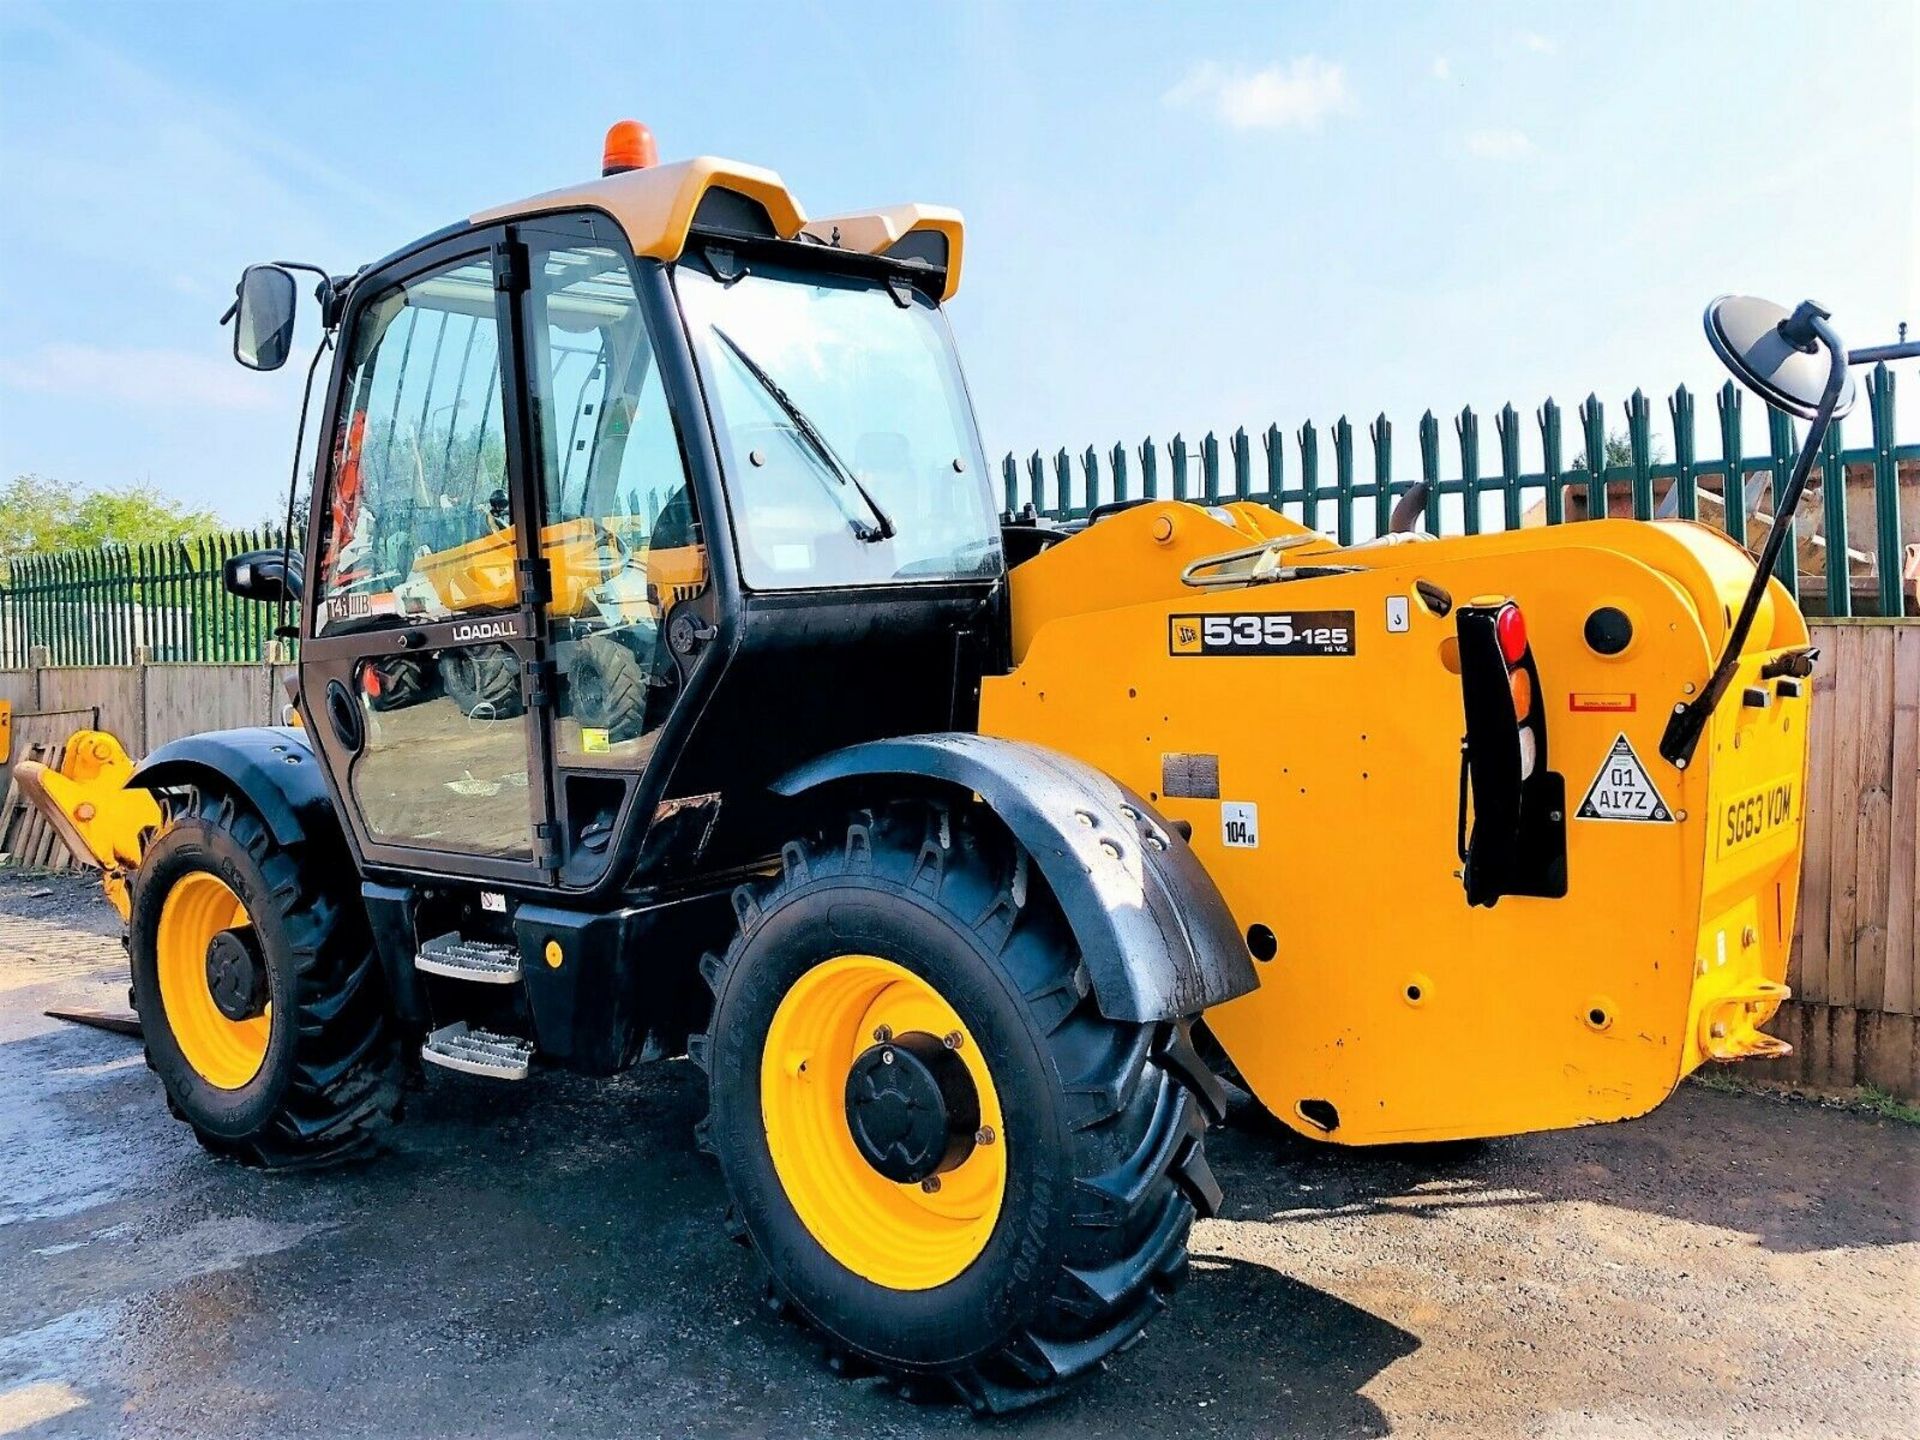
<point x="658" y="207"/>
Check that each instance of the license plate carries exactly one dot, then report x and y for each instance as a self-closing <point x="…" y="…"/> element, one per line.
<point x="1750" y="818"/>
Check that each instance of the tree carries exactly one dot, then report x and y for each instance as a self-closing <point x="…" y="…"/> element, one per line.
<point x="1620" y="452"/>
<point x="40" y="515"/>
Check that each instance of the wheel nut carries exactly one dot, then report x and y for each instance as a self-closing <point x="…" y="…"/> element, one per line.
<point x="882" y="1034"/>
<point x="931" y="1184"/>
<point x="953" y="1040"/>
<point x="886" y="1057"/>
<point x="984" y="1135"/>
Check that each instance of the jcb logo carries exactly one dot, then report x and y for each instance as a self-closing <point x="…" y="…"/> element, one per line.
<point x="1186" y="636"/>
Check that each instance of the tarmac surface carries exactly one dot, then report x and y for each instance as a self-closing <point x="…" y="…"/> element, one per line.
<point x="548" y="1259"/>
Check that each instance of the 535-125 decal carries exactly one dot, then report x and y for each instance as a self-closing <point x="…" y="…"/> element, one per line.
<point x="1267" y="632"/>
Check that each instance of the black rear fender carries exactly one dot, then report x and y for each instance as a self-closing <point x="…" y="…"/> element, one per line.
<point x="1158" y="940"/>
<point x="271" y="767"/>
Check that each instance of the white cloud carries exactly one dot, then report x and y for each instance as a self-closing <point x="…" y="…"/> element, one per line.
<point x="1536" y="42"/>
<point x="144" y="378"/>
<point x="1498" y="144"/>
<point x="1442" y="68"/>
<point x="1290" y="94"/>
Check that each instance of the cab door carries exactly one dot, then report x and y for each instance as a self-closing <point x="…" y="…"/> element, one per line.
<point x="623" y="554"/>
<point x="422" y="678"/>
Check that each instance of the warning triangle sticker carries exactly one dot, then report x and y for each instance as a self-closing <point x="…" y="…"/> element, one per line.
<point x="1623" y="790"/>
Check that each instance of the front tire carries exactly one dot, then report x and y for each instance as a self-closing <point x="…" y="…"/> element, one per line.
<point x="1042" y="1251"/>
<point x="259" y="994"/>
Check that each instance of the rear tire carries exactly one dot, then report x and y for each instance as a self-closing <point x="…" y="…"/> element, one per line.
<point x="316" y="1076"/>
<point x="609" y="687"/>
<point x="1103" y="1159"/>
<point x="483" y="680"/>
<point x="404" y="681"/>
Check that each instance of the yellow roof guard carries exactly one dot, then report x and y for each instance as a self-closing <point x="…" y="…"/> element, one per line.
<point x="656" y="205"/>
<point x="931" y="234"/>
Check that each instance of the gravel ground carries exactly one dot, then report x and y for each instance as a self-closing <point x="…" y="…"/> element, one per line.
<point x="547" y="1259"/>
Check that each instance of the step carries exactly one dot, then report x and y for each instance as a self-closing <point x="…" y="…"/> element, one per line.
<point x="486" y="961"/>
<point x="478" y="1052"/>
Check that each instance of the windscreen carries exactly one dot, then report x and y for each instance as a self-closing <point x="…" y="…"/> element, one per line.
<point x="843" y="427"/>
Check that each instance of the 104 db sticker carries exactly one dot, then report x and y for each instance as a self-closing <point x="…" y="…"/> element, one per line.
<point x="1295" y="632"/>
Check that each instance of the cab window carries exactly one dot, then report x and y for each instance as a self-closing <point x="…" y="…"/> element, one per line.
<point x="415" y="525"/>
<point x="845" y="435"/>
<point x="623" y="543"/>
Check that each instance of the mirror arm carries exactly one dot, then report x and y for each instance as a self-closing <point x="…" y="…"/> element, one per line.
<point x="280" y="627"/>
<point x="1874" y="354"/>
<point x="326" y="292"/>
<point x="1689" y="720"/>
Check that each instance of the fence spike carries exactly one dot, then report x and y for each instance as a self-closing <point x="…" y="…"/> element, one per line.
<point x="1242" y="464"/>
<point x="1640" y="444"/>
<point x="1783" y="445"/>
<point x="1833" y="494"/>
<point x="1381" y="433"/>
<point x="1118" y="460"/>
<point x="1686" y="499"/>
<point x="1507" y="428"/>
<point x="1177" y="458"/>
<point x="1275" y="443"/>
<point x="1309" y="441"/>
<point x="1733" y="469"/>
<point x="1593" y="422"/>
<point x="1548" y="418"/>
<point x="1343" y="480"/>
<point x="1430" y="468"/>
<point x="1466" y="426"/>
<point x="1888" y="550"/>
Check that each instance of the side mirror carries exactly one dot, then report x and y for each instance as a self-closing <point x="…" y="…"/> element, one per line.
<point x="1775" y="354"/>
<point x="264" y="306"/>
<point x="268" y="575"/>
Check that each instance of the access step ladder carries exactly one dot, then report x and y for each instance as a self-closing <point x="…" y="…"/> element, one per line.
<point x="484" y="961"/>
<point x="478" y="1052"/>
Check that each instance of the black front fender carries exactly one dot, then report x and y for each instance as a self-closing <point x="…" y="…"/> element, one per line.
<point x="1158" y="940"/>
<point x="273" y="767"/>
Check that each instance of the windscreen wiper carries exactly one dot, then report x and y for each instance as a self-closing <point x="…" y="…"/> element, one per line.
<point x="817" y="442"/>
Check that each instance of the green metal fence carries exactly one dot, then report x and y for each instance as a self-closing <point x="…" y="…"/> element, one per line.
<point x="1067" y="486"/>
<point x="94" y="607"/>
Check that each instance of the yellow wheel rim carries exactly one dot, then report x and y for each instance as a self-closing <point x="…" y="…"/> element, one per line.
<point x="225" y="1053"/>
<point x="904" y="1237"/>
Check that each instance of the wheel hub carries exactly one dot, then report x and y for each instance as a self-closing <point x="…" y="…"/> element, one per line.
<point x="912" y="1108"/>
<point x="237" y="973"/>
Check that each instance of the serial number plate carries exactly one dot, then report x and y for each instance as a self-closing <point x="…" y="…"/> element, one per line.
<point x="1296" y="632"/>
<point x="1750" y="818"/>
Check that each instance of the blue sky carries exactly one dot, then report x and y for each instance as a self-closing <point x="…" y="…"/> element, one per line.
<point x="1181" y="217"/>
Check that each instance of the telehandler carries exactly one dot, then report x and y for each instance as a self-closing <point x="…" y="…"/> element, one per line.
<point x="939" y="841"/>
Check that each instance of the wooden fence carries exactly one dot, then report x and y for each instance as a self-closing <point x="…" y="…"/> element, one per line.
<point x="144" y="705"/>
<point x="1855" y="970"/>
<point x="1854" y="1018"/>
